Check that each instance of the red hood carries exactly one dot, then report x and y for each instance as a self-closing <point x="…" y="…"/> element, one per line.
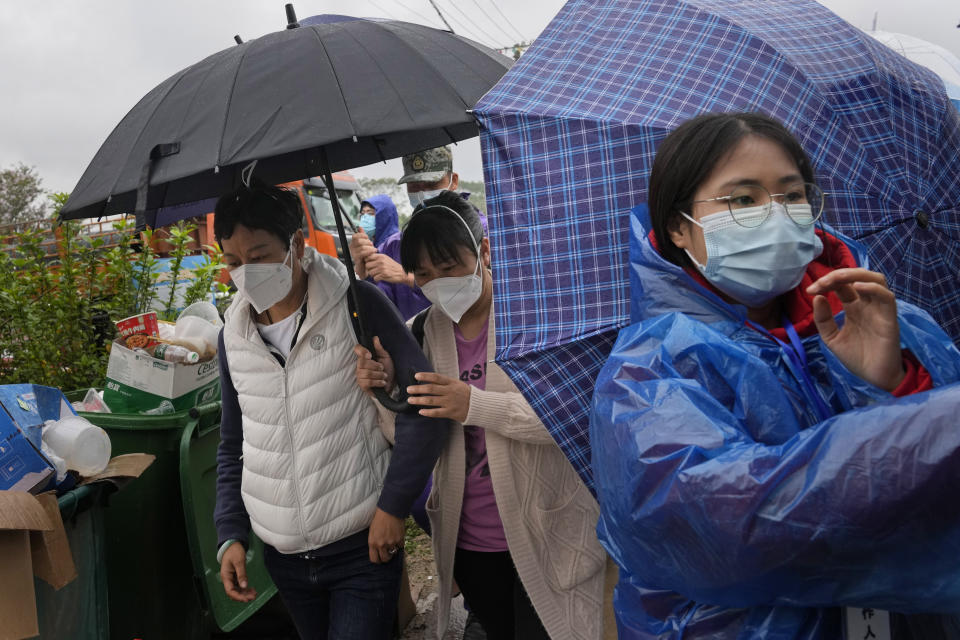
<point x="799" y="305"/>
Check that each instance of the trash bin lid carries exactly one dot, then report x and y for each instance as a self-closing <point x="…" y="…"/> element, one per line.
<point x="198" y="482"/>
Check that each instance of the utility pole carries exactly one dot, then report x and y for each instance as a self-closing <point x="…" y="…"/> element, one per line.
<point x="437" y="9"/>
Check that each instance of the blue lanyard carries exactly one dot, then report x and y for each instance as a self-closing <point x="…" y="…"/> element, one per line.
<point x="798" y="356"/>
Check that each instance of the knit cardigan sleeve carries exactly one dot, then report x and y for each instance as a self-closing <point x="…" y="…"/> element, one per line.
<point x="508" y="414"/>
<point x="499" y="408"/>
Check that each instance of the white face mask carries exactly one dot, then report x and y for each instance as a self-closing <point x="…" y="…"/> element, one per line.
<point x="455" y="295"/>
<point x="264" y="285"/>
<point x="754" y="265"/>
<point x="418" y="198"/>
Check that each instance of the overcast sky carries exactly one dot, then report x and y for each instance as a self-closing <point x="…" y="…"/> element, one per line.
<point x="72" y="70"/>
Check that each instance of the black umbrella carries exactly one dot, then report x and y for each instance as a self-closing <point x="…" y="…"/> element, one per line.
<point x="360" y="90"/>
<point x="333" y="93"/>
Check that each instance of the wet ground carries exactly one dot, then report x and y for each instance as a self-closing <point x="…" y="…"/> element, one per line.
<point x="422" y="627"/>
<point x="422" y="575"/>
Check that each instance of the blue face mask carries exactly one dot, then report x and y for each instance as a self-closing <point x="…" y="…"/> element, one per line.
<point x="754" y="265"/>
<point x="369" y="224"/>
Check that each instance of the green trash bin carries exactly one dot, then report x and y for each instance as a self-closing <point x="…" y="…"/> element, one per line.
<point x="154" y="590"/>
<point x="198" y="478"/>
<point x="79" y="610"/>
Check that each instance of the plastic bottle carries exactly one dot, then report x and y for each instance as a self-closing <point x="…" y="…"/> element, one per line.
<point x="164" y="408"/>
<point x="175" y="353"/>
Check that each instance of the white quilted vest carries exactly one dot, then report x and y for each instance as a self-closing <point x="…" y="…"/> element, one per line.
<point x="314" y="458"/>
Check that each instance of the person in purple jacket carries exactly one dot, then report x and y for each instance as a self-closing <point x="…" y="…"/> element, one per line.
<point x="378" y="251"/>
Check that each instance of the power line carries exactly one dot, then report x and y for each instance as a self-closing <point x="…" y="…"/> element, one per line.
<point x="507" y="20"/>
<point x="418" y="14"/>
<point x="474" y="27"/>
<point x="383" y="11"/>
<point x="492" y="21"/>
<point x="469" y="27"/>
<point x="437" y="9"/>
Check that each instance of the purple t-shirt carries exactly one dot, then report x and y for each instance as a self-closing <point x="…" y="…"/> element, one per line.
<point x="480" y="526"/>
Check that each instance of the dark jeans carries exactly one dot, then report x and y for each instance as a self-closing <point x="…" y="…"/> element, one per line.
<point x="490" y="583"/>
<point x="342" y="596"/>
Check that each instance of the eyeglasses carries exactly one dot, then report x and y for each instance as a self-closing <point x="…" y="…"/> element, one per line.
<point x="749" y="204"/>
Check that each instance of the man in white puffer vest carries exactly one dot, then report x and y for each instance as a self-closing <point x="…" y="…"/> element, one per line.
<point x="302" y="460"/>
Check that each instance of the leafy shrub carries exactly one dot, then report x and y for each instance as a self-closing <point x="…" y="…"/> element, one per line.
<point x="57" y="311"/>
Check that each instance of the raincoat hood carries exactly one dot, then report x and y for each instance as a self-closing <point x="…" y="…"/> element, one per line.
<point x="750" y="492"/>
<point x="387" y="219"/>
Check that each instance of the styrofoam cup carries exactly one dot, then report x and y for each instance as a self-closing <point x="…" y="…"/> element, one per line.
<point x="84" y="446"/>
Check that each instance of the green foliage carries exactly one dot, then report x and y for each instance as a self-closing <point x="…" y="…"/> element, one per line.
<point x="20" y="194"/>
<point x="180" y="239"/>
<point x="372" y="186"/>
<point x="478" y="193"/>
<point x="416" y="542"/>
<point x="58" y="300"/>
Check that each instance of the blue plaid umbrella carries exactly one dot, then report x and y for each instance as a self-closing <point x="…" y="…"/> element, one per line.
<point x="569" y="135"/>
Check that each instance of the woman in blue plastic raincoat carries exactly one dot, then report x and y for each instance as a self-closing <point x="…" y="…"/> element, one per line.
<point x="775" y="437"/>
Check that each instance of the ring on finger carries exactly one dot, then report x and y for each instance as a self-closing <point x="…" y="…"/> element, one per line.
<point x="392" y="550"/>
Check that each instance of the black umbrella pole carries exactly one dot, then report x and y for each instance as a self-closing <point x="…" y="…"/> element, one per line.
<point x="347" y="258"/>
<point x="363" y="337"/>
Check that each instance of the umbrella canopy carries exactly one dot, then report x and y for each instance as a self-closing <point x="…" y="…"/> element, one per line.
<point x="569" y="135"/>
<point x="359" y="90"/>
<point x="932" y="56"/>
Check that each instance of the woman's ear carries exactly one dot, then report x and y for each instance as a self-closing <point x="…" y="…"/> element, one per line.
<point x="485" y="252"/>
<point x="678" y="228"/>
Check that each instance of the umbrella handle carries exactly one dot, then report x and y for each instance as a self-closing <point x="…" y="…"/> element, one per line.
<point x="398" y="404"/>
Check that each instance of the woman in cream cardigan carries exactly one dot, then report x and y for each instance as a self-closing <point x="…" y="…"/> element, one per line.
<point x="513" y="525"/>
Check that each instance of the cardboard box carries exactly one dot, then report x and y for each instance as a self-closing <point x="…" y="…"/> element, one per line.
<point x="24" y="408"/>
<point x="138" y="383"/>
<point x="33" y="542"/>
<point x="21" y="516"/>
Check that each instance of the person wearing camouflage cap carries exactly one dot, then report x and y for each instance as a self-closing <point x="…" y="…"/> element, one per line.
<point x="427" y="173"/>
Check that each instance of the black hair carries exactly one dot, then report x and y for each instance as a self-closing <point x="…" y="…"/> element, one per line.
<point x="259" y="206"/>
<point x="688" y="155"/>
<point x="433" y="227"/>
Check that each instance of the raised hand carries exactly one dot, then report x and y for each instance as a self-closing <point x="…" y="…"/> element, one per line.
<point x="361" y="248"/>
<point x="383" y="268"/>
<point x="869" y="342"/>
